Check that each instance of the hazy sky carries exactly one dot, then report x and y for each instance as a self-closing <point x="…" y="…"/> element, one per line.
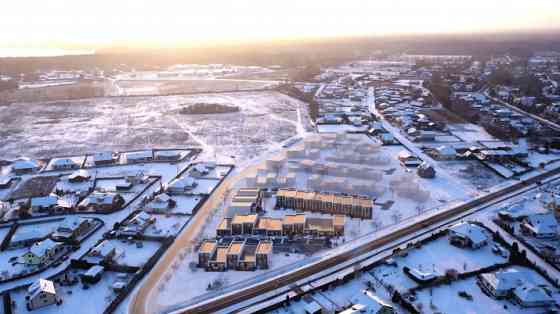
<point x="168" y="22"/>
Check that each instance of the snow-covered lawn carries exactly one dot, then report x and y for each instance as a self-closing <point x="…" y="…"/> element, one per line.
<point x="166" y="225"/>
<point x="185" y="204"/>
<point x="35" y="230"/>
<point x="133" y="255"/>
<point x="445" y="299"/>
<point x="76" y="299"/>
<point x="205" y="186"/>
<point x="436" y="257"/>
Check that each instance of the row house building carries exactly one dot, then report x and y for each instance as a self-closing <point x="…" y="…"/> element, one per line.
<point x="237" y="255"/>
<point x="290" y="225"/>
<point x="329" y="203"/>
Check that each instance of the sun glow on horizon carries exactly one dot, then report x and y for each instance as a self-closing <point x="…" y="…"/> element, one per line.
<point x="30" y="23"/>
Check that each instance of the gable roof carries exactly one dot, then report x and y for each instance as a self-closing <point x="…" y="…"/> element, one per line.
<point x="474" y="232"/>
<point x="42" y="285"/>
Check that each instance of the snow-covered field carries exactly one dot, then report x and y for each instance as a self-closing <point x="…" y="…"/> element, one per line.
<point x="84" y="126"/>
<point x="133" y="255"/>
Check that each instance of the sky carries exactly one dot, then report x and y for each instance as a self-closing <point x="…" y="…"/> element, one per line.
<point x="55" y="23"/>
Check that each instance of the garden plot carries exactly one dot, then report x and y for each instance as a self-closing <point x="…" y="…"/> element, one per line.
<point x="70" y="187"/>
<point x="35" y="230"/>
<point x="471" y="173"/>
<point x="7" y="269"/>
<point x="205" y="186"/>
<point x="436" y="257"/>
<point x="446" y="299"/>
<point x="76" y="299"/>
<point x="186" y="204"/>
<point x="83" y="126"/>
<point x="218" y="173"/>
<point x="132" y="255"/>
<point x="469" y="132"/>
<point x="166" y="225"/>
<point x="165" y="170"/>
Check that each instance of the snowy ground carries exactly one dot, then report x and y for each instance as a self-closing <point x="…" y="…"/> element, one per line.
<point x="31" y="231"/>
<point x="445" y="299"/>
<point x="192" y="281"/>
<point x="76" y="299"/>
<point x="133" y="255"/>
<point x="119" y="124"/>
<point x="436" y="256"/>
<point x="166" y="225"/>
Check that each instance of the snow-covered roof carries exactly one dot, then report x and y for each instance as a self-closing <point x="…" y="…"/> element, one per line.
<point x="25" y="163"/>
<point x="63" y="162"/>
<point x="371" y="302"/>
<point x="42" y="285"/>
<point x="82" y="173"/>
<point x="39" y="249"/>
<point x="542" y="223"/>
<point x="44" y="201"/>
<point x="139" y="155"/>
<point x="99" y="199"/>
<point x="505" y="280"/>
<point x="94" y="271"/>
<point x="471" y="231"/>
<point x="183" y="183"/>
<point x="103" y="156"/>
<point x="529" y="293"/>
<point x="102" y="249"/>
<point x="445" y="150"/>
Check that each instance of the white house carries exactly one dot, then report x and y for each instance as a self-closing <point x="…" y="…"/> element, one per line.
<point x="40" y="294"/>
<point x="540" y="225"/>
<point x="466" y="234"/>
<point x="500" y="284"/>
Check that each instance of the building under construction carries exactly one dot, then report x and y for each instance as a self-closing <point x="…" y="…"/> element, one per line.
<point x="290" y="225"/>
<point x="329" y="203"/>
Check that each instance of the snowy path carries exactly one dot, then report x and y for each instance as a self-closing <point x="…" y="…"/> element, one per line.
<point x="206" y="148"/>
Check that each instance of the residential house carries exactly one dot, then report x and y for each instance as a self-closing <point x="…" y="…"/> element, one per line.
<point x="43" y="203"/>
<point x="42" y="252"/>
<point x="500" y="284"/>
<point x="24" y="166"/>
<point x="469" y="235"/>
<point x="40" y="294"/>
<point x="368" y="302"/>
<point x="267" y="226"/>
<point x="243" y="224"/>
<point x="63" y="164"/>
<point x="224" y="228"/>
<point x="72" y="228"/>
<point x="263" y="254"/>
<point x="162" y="203"/>
<point x="426" y="171"/>
<point x="182" y="185"/>
<point x="103" y="202"/>
<point x="168" y="155"/>
<point x="218" y="261"/>
<point x="104" y="158"/>
<point x="104" y="252"/>
<point x="137" y="224"/>
<point x="540" y="226"/>
<point x="206" y="251"/>
<point x="529" y="295"/>
<point x="78" y="176"/>
<point x="138" y="157"/>
<point x="92" y="275"/>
